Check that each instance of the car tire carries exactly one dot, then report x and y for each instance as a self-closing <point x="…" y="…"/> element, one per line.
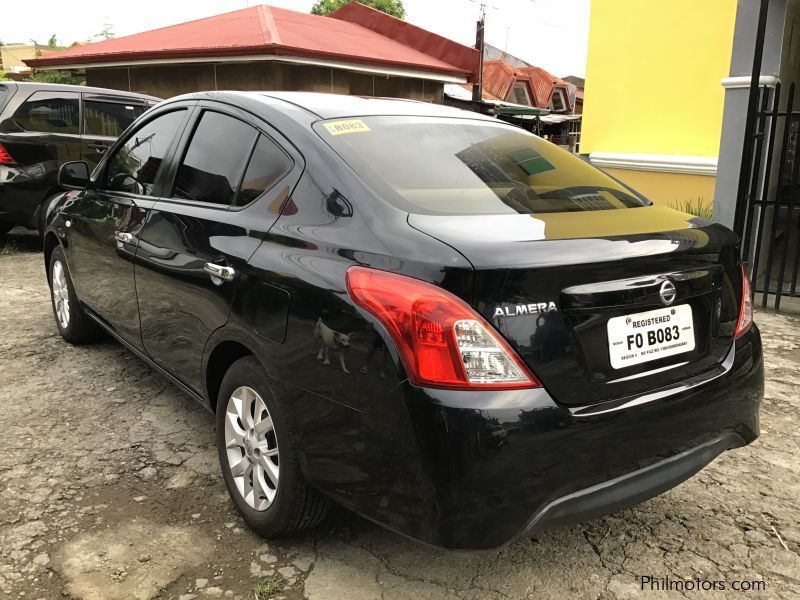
<point x="73" y="323"/>
<point x="287" y="504"/>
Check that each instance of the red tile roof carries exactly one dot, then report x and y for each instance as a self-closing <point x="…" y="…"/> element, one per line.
<point x="353" y="34"/>
<point x="499" y="77"/>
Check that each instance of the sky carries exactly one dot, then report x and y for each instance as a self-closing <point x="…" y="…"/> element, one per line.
<point x="552" y="34"/>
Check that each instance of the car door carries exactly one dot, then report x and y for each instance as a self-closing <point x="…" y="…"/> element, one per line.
<point x="106" y="219"/>
<point x="195" y="245"/>
<point x="105" y="117"/>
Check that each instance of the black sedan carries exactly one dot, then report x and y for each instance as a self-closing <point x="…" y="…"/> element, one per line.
<point x="437" y="320"/>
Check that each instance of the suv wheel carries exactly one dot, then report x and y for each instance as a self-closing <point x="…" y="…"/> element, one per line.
<point x="258" y="457"/>
<point x="72" y="322"/>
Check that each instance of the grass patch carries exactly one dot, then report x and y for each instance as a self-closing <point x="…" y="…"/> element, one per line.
<point x="9" y="247"/>
<point x="268" y="587"/>
<point x="698" y="208"/>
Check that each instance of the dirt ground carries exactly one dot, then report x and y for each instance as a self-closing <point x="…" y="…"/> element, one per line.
<point x="109" y="489"/>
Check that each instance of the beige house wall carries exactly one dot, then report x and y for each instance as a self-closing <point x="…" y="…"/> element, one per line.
<point x="11" y="56"/>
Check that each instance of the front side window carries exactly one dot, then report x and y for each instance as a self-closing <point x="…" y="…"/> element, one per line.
<point x="212" y="167"/>
<point x="434" y="165"/>
<point x="136" y="165"/>
<point x="49" y="112"/>
<point x="109" y="118"/>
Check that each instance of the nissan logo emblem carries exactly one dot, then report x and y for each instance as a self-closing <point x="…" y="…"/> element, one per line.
<point x="668" y="292"/>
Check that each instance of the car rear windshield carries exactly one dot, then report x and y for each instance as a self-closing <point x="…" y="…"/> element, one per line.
<point x="436" y="165"/>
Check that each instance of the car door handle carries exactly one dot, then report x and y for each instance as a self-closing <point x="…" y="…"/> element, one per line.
<point x="100" y="148"/>
<point x="219" y="271"/>
<point x="124" y="237"/>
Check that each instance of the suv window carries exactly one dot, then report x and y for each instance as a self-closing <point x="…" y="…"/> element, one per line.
<point x="212" y="167"/>
<point x="49" y="112"/>
<point x="135" y="166"/>
<point x="268" y="164"/>
<point x="109" y="118"/>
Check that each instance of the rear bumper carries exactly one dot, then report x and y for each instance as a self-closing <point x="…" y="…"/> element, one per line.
<point x="635" y="487"/>
<point x="479" y="469"/>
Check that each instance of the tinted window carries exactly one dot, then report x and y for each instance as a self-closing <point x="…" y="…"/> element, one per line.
<point x="49" y="112"/>
<point x="4" y="94"/>
<point x="215" y="159"/>
<point x="135" y="166"/>
<point x="109" y="118"/>
<point x="459" y="166"/>
<point x="267" y="165"/>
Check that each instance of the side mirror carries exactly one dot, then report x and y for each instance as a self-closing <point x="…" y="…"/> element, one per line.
<point x="74" y="175"/>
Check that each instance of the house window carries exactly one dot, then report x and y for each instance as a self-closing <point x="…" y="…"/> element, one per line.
<point x="519" y="94"/>
<point x="558" y="102"/>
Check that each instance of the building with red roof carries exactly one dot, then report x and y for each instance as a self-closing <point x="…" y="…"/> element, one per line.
<point x="355" y="50"/>
<point x="529" y="86"/>
<point x="525" y="95"/>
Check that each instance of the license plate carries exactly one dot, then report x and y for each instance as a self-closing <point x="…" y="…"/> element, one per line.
<point x="646" y="336"/>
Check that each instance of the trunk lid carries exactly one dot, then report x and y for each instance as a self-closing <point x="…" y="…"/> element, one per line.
<point x="551" y="283"/>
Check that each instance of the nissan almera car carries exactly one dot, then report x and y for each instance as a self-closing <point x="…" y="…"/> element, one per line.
<point x="437" y="320"/>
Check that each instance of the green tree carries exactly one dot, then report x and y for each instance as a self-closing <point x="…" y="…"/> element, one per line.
<point x="390" y="7"/>
<point x="56" y="77"/>
<point x="52" y="42"/>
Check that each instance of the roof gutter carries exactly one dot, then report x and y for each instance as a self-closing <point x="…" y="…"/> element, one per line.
<point x="132" y="60"/>
<point x="520" y="110"/>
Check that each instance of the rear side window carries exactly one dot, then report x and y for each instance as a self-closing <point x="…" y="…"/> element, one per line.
<point x="4" y="95"/>
<point x="135" y="166"/>
<point x="109" y="118"/>
<point x="268" y="164"/>
<point x="49" y="112"/>
<point x="436" y="165"/>
<point x="215" y="160"/>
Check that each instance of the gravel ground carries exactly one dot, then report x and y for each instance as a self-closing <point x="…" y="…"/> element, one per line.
<point x="109" y="489"/>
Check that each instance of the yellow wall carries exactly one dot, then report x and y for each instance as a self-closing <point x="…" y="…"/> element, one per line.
<point x="670" y="189"/>
<point x="653" y="76"/>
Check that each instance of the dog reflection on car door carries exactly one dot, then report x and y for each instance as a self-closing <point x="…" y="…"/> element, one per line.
<point x="330" y="340"/>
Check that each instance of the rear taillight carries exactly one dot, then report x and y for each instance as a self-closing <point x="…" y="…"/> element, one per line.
<point x="746" y="308"/>
<point x="5" y="157"/>
<point x="442" y="341"/>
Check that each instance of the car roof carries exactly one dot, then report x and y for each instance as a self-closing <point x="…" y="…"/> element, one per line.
<point x="335" y="106"/>
<point x="63" y="87"/>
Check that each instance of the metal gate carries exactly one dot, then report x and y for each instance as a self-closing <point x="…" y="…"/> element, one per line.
<point x="770" y="229"/>
<point x="768" y="203"/>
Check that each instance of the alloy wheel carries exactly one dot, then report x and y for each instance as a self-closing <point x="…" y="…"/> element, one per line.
<point x="60" y="294"/>
<point x="252" y="448"/>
